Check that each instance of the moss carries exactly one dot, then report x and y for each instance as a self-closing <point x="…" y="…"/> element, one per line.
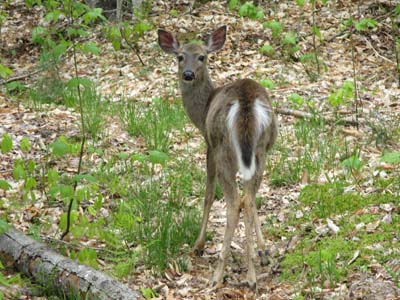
<point x="326" y="258"/>
<point x="330" y="199"/>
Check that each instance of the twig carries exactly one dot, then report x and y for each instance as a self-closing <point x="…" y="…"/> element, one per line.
<point x="274" y="268"/>
<point x="306" y="115"/>
<point x="50" y="240"/>
<point x="396" y="50"/>
<point x="376" y="52"/>
<point x="83" y="133"/>
<point x="19" y="77"/>
<point x="314" y="38"/>
<point x="122" y="31"/>
<point x="353" y="60"/>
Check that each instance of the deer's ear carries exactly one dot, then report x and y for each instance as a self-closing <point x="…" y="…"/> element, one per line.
<point x="167" y="42"/>
<point x="216" y="39"/>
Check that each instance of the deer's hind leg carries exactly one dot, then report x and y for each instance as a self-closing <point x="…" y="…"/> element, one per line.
<point x="262" y="249"/>
<point x="252" y="222"/>
<point x="249" y="221"/>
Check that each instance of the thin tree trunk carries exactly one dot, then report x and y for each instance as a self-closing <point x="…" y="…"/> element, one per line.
<point x="119" y="12"/>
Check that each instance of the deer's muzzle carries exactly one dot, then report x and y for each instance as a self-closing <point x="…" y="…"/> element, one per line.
<point x="188" y="75"/>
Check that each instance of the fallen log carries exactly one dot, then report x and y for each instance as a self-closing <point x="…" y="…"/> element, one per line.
<point x="57" y="272"/>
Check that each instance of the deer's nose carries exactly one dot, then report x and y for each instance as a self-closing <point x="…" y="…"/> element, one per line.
<point x="188" y="75"/>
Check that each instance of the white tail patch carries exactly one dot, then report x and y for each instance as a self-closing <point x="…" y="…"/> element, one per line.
<point x="262" y="115"/>
<point x="263" y="120"/>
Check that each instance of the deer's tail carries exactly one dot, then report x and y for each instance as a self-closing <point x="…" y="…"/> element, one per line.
<point x="246" y="121"/>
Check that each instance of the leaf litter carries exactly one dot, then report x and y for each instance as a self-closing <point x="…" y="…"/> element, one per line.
<point x="119" y="75"/>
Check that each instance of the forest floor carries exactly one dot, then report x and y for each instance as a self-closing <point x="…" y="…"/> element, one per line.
<point x="330" y="200"/>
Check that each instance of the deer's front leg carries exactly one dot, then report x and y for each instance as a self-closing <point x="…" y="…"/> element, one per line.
<point x="233" y="210"/>
<point x="208" y="201"/>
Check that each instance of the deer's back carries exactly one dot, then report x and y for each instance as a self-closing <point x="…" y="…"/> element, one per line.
<point x="245" y="92"/>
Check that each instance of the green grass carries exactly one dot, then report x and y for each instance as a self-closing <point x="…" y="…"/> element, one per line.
<point x="151" y="220"/>
<point x="152" y="223"/>
<point x="313" y="151"/>
<point x="154" y="122"/>
<point x="330" y="199"/>
<point x="320" y="258"/>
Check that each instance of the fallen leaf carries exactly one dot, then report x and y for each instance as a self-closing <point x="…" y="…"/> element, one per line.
<point x="355" y="256"/>
<point x="387" y="219"/>
<point x="371" y="227"/>
<point x="332" y="226"/>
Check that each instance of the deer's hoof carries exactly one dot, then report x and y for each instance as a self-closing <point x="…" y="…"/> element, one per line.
<point x="264" y="258"/>
<point x="198" y="248"/>
<point x="218" y="278"/>
<point x="251" y="285"/>
<point x="198" y="252"/>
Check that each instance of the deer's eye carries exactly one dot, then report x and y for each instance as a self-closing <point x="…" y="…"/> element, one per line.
<point x="201" y="58"/>
<point x="180" y="58"/>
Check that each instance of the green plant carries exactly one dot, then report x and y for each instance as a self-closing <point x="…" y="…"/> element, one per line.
<point x="15" y="88"/>
<point x="6" y="143"/>
<point x="365" y="24"/>
<point x="154" y="216"/>
<point x="4" y="226"/>
<point x="5" y="72"/>
<point x="343" y="95"/>
<point x="267" y="49"/>
<point x="247" y="9"/>
<point x="353" y="166"/>
<point x="361" y="25"/>
<point x="267" y="83"/>
<point x="154" y="122"/>
<point x="88" y="257"/>
<point x="289" y="43"/>
<point x="3" y="281"/>
<point x="148" y="293"/>
<point x="391" y="158"/>
<point x="315" y="151"/>
<point x="131" y="34"/>
<point x="93" y="106"/>
<point x="296" y="100"/>
<point x="55" y="43"/>
<point x="276" y="28"/>
<point x="300" y="3"/>
<point x="323" y="258"/>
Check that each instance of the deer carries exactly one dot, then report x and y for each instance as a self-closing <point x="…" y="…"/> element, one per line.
<point x="239" y="128"/>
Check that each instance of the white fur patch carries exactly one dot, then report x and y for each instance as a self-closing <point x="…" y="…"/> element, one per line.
<point x="246" y="172"/>
<point x="263" y="120"/>
<point x="262" y="116"/>
<point x="232" y="115"/>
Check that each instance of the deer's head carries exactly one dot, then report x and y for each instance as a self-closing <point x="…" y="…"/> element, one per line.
<point x="192" y="58"/>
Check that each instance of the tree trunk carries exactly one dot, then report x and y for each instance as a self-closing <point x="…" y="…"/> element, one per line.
<point x="59" y="273"/>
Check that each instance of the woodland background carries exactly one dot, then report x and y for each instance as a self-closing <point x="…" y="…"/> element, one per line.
<point x="96" y="148"/>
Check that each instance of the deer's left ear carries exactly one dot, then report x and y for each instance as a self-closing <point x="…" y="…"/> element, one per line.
<point x="167" y="42"/>
<point x="216" y="39"/>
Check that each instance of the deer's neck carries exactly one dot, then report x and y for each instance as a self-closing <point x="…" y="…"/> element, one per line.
<point x="195" y="100"/>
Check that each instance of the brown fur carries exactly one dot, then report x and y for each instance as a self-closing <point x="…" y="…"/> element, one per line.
<point x="208" y="108"/>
